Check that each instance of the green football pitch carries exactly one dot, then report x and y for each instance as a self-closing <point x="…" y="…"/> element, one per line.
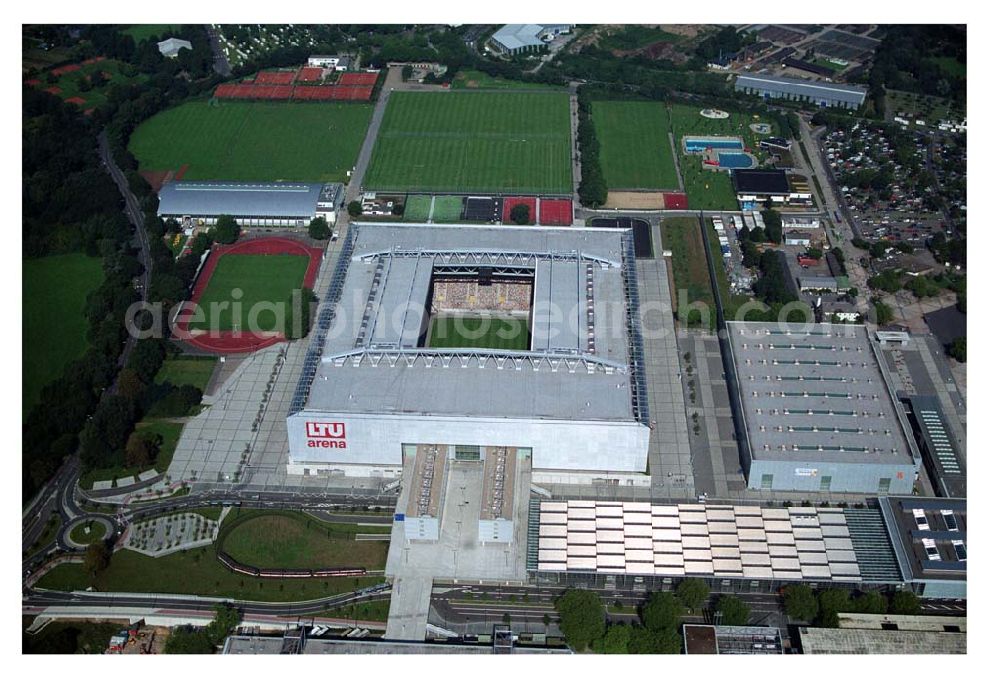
<point x="474" y="141"/>
<point x="635" y="145"/>
<point x="505" y="333"/>
<point x="266" y="282"/>
<point x="239" y="141"/>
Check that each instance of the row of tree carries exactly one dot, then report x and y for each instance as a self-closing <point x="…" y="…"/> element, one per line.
<point x="593" y="189"/>
<point x="821" y="607"/>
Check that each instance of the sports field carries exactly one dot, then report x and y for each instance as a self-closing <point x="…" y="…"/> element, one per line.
<point x="479" y="332"/>
<point x="418" y="208"/>
<point x="254" y="141"/>
<point x="447" y="209"/>
<point x="266" y="282"/>
<point x="54" y="295"/>
<point x="483" y="141"/>
<point x="635" y="144"/>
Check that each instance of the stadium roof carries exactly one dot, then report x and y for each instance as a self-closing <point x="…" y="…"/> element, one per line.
<point x="518" y="36"/>
<point x="761" y="181"/>
<point x="697" y="539"/>
<point x="816" y="393"/>
<point x="584" y="362"/>
<point x="212" y="198"/>
<point x="808" y="88"/>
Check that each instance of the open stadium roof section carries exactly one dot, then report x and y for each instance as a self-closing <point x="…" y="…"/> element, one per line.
<point x="824" y="92"/>
<point x="930" y="539"/>
<point x="708" y="540"/>
<point x="817" y="392"/>
<point x="585" y="358"/>
<point x="239" y="199"/>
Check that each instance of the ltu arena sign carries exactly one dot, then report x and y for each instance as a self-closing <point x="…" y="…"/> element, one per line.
<point x="326" y="435"/>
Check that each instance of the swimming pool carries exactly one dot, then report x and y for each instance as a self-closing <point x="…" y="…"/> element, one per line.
<point x="719" y="142"/>
<point x="735" y="160"/>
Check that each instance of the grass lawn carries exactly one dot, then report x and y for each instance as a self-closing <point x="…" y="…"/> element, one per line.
<point x="418" y="208"/>
<point x="447" y="209"/>
<point x="479" y="332"/>
<point x="478" y="80"/>
<point x="691" y="278"/>
<point x="828" y="64"/>
<point x="243" y="141"/>
<point x="194" y="572"/>
<point x="375" y="610"/>
<point x="950" y="65"/>
<point x="187" y="370"/>
<point x="79" y="533"/>
<point x="707" y="189"/>
<point x="635" y="145"/>
<point x="54" y="329"/>
<point x="290" y="540"/>
<point x="636" y="36"/>
<point x="140" y="32"/>
<point x="266" y="280"/>
<point x="484" y="141"/>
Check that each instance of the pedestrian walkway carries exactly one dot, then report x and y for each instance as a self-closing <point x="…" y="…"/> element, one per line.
<point x="408" y="607"/>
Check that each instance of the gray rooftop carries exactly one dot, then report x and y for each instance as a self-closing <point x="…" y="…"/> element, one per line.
<point x="516" y="36"/>
<point x="809" y="88"/>
<point x="945" y="455"/>
<point x="578" y="366"/>
<point x="872" y="641"/>
<point x="816" y="393"/>
<point x="908" y="538"/>
<point x="236" y="198"/>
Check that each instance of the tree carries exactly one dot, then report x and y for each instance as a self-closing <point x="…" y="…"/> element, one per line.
<point x="188" y="640"/>
<point x="757" y="234"/>
<point x="226" y="230"/>
<point x="800" y="603"/>
<point x="299" y="313"/>
<point x="772" y="225"/>
<point x="225" y="621"/>
<point x="581" y="617"/>
<point x="407" y="72"/>
<point x="692" y="592"/>
<point x="957" y="349"/>
<point x="319" y="229"/>
<point x="354" y="208"/>
<point x="904" y="603"/>
<point x="97" y="558"/>
<point x="616" y="640"/>
<point x="883" y="313"/>
<point x="871" y="602"/>
<point x="661" y="612"/>
<point x="139" y="451"/>
<point x="733" y="610"/>
<point x="831" y="603"/>
<point x="130" y="385"/>
<point x="642" y="640"/>
<point x="520" y="214"/>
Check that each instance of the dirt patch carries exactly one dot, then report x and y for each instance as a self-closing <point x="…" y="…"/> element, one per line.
<point x="622" y="199"/>
<point x="180" y="172"/>
<point x="155" y="179"/>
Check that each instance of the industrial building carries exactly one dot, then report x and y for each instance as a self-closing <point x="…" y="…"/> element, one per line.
<point x="572" y="398"/>
<point x="820" y="283"/>
<point x="727" y="640"/>
<point x="732" y="547"/>
<point x="520" y="38"/>
<point x="823" y="94"/>
<point x="171" y="47"/>
<point x="930" y="539"/>
<point x="887" y="634"/>
<point x="816" y="412"/>
<point x="754" y="187"/>
<point x="251" y="204"/>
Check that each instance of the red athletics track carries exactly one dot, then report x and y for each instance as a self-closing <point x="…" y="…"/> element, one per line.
<point x="243" y="341"/>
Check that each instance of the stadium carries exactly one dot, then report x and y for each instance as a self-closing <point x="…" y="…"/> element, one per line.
<point x="463" y="339"/>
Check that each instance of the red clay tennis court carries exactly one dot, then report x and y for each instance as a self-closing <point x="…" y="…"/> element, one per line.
<point x="229" y="342"/>
<point x="675" y="201"/>
<point x="309" y="74"/>
<point x="357" y="79"/>
<point x="68" y="68"/>
<point x="556" y="213"/>
<point x="510" y="202"/>
<point x="275" y="78"/>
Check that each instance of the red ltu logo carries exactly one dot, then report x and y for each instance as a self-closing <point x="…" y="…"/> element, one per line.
<point x="327" y="431"/>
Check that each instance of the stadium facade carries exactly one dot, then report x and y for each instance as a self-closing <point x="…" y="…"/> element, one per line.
<point x="251" y="204"/>
<point x="572" y="397"/>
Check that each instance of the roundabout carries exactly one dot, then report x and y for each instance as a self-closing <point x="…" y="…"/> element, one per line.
<point x="84" y="531"/>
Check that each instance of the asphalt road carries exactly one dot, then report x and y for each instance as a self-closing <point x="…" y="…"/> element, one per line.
<point x="221" y="63"/>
